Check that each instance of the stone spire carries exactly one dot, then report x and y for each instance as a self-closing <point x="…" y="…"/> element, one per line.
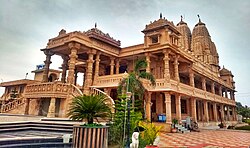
<point x="203" y="47"/>
<point x="185" y="37"/>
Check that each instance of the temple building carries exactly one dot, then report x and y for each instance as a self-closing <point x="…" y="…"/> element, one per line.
<point x="185" y="64"/>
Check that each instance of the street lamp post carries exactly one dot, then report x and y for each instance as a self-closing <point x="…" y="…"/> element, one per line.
<point x="128" y="96"/>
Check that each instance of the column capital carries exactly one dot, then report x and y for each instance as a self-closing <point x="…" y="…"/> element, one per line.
<point x="47" y="52"/>
<point x="74" y="45"/>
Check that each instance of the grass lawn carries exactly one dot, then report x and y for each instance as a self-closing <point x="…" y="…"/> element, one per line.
<point x="247" y="127"/>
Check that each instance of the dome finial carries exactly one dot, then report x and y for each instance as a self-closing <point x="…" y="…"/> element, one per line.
<point x="160" y="15"/>
<point x="199" y="18"/>
<point x="95" y="24"/>
<point x="181" y="17"/>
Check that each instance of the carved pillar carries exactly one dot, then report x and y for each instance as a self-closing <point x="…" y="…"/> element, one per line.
<point x="234" y="114"/>
<point x="206" y="111"/>
<point x="148" y="106"/>
<point x="220" y="90"/>
<point x="76" y="72"/>
<point x="168" y="107"/>
<point x="47" y="62"/>
<point x="191" y="77"/>
<point x="72" y="61"/>
<point x="97" y="64"/>
<point x="64" y="68"/>
<point x="166" y="65"/>
<point x="52" y="108"/>
<point x="228" y="113"/>
<point x="203" y="81"/>
<point x="193" y="107"/>
<point x="222" y="112"/>
<point x="215" y="112"/>
<point x="88" y="81"/>
<point x="178" y="106"/>
<point x="176" y="68"/>
<point x="117" y="66"/>
<point x="148" y="61"/>
<point x="226" y="93"/>
<point x="212" y="88"/>
<point x="27" y="106"/>
<point x="112" y="64"/>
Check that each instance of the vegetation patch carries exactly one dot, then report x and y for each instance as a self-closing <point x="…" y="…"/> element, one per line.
<point x="243" y="128"/>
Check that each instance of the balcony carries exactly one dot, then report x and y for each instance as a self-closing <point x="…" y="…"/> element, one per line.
<point x="50" y="89"/>
<point x="162" y="85"/>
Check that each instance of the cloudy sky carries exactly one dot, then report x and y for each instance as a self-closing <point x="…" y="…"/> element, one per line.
<point x="26" y="26"/>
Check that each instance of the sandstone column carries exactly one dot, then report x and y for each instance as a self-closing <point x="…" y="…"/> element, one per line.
<point x="64" y="68"/>
<point x="148" y="62"/>
<point x="117" y="66"/>
<point x="212" y="88"/>
<point x="222" y="112"/>
<point x="27" y="106"/>
<point x="206" y="111"/>
<point x="203" y="81"/>
<point x="166" y="65"/>
<point x="193" y="107"/>
<point x="228" y="114"/>
<point x="226" y="93"/>
<point x="215" y="112"/>
<point x="112" y="64"/>
<point x="176" y="68"/>
<point x="148" y="106"/>
<point x="47" y="62"/>
<point x="191" y="77"/>
<point x="97" y="63"/>
<point x="178" y="106"/>
<point x="52" y="108"/>
<point x="168" y="107"/>
<point x="88" y="81"/>
<point x="74" y="47"/>
<point x="220" y="90"/>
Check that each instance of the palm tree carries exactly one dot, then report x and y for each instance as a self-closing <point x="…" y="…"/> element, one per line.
<point x="133" y="82"/>
<point x="89" y="107"/>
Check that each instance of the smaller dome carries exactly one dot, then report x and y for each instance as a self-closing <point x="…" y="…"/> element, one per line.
<point x="200" y="29"/>
<point x="224" y="72"/>
<point x="181" y="22"/>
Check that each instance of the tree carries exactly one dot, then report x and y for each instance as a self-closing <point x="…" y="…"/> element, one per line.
<point x="133" y="82"/>
<point x="89" y="107"/>
<point x="244" y="111"/>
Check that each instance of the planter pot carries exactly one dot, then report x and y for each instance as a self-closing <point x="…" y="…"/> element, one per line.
<point x="94" y="137"/>
<point x="152" y="146"/>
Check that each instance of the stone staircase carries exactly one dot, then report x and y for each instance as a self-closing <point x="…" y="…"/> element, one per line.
<point x="12" y="105"/>
<point x="110" y="101"/>
<point x="35" y="134"/>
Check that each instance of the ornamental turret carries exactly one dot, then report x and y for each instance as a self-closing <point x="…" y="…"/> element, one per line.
<point x="203" y="47"/>
<point x="185" y="38"/>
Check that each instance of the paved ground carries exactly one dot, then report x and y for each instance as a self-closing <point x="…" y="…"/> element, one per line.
<point x="206" y="139"/>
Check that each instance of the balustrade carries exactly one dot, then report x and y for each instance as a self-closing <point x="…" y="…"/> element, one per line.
<point x="11" y="105"/>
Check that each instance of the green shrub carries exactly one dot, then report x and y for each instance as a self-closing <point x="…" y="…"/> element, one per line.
<point x="243" y="128"/>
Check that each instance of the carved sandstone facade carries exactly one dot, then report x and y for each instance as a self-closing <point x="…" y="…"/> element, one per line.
<point x="189" y="81"/>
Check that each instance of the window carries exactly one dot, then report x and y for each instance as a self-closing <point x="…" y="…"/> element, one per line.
<point x="154" y="39"/>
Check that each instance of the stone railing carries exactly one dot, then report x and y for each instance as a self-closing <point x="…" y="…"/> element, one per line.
<point x="109" y="80"/>
<point x="51" y="89"/>
<point x="12" y="105"/>
<point x="96" y="91"/>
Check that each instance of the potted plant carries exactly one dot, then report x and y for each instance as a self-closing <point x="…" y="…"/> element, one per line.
<point x="173" y="127"/>
<point x="89" y="107"/>
<point x="150" y="133"/>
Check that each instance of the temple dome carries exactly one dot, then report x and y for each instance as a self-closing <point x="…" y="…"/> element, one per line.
<point x="185" y="38"/>
<point x="200" y="29"/>
<point x="225" y="72"/>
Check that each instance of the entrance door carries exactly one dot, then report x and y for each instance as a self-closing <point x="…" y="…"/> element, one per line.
<point x="44" y="107"/>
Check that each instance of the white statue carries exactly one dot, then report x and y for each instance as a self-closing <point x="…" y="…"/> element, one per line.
<point x="135" y="140"/>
